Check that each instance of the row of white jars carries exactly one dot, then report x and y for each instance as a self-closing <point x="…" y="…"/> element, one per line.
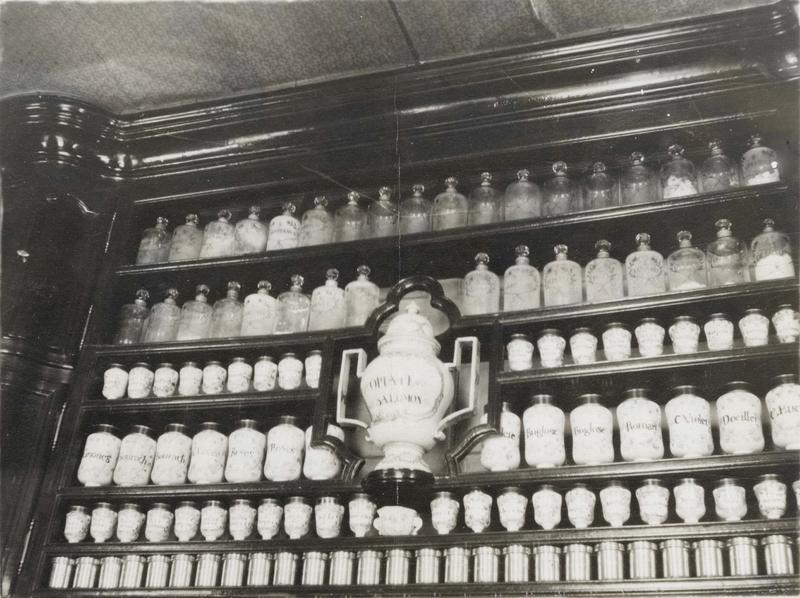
<point x="457" y="564"/>
<point x="737" y="415"/>
<point x="652" y="496"/>
<point x="617" y="340"/>
<point x="209" y="457"/>
<point x="191" y="380"/>
<point x="242" y="518"/>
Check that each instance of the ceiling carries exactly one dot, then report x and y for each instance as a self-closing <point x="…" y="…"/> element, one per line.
<point x="130" y="57"/>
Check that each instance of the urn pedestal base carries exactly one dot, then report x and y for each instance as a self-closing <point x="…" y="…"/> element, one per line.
<point x="405" y="487"/>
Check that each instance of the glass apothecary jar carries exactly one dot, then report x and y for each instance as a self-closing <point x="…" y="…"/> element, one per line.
<point x="639" y="421"/>
<point x="382" y="215"/>
<point x="638" y="183"/>
<point x="226" y="318"/>
<point x="481" y="294"/>
<point x="361" y="297"/>
<point x="689" y="422"/>
<point x="718" y="172"/>
<point x="592" y="427"/>
<point x="187" y="240"/>
<point x="259" y="311"/>
<point x="294" y="308"/>
<point x="727" y="257"/>
<point x="521" y="283"/>
<point x="328" y="309"/>
<point x="644" y="269"/>
<point x="603" y="276"/>
<point x="218" y="237"/>
<point x="485" y="203"/>
<point x="686" y="266"/>
<point x="678" y="176"/>
<point x="284" y="229"/>
<point x="599" y="188"/>
<point x="195" y="316"/>
<point x="350" y="222"/>
<point x="739" y="420"/>
<point x="250" y="233"/>
<point x="415" y="212"/>
<point x="561" y="280"/>
<point x="543" y="424"/>
<point x="450" y="208"/>
<point x="316" y="226"/>
<point x="165" y="317"/>
<point x="771" y="252"/>
<point x="523" y="198"/>
<point x="561" y="194"/>
<point x="154" y="245"/>
<point x="132" y="318"/>
<point x="760" y="164"/>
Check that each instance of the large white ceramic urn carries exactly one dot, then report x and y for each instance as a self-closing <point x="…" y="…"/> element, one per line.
<point x="408" y="390"/>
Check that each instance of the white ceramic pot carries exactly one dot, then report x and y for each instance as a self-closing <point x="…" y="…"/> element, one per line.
<point x="477" y="510"/>
<point x="397" y="521"/>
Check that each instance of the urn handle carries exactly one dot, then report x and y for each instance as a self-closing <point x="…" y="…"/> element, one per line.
<point x="344" y="380"/>
<point x="475" y="350"/>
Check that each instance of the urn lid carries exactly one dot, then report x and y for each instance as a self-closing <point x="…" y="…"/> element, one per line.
<point x="410" y="326"/>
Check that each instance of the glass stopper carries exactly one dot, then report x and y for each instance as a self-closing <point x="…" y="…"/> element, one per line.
<point x="603" y="246"/>
<point x="643" y="240"/>
<point x="769" y="225"/>
<point x="560" y="168"/>
<point x="637" y="158"/>
<point x="297" y="282"/>
<point x="715" y="145"/>
<point x="755" y="140"/>
<point x="522" y="251"/>
<point x="332" y="274"/>
<point x="264" y="285"/>
<point x="418" y="189"/>
<point x="451" y="182"/>
<point x="172" y="294"/>
<point x="598" y="167"/>
<point x="363" y="272"/>
<point x="320" y="200"/>
<point x="162" y="222"/>
<point x="192" y="219"/>
<point x="224" y="215"/>
<point x="522" y="175"/>
<point x="486" y="178"/>
<point x="560" y="250"/>
<point x="255" y="211"/>
<point x="385" y="193"/>
<point x="723" y="227"/>
<point x="675" y="150"/>
<point x="352" y="197"/>
<point x="233" y="287"/>
<point x="685" y="238"/>
<point x="142" y="295"/>
<point x="288" y="208"/>
<point x="482" y="259"/>
<point x="202" y="290"/>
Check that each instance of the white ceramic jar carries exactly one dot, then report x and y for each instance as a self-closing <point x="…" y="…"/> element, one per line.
<point x="361" y="512"/>
<point x="685" y="335"/>
<point x="615" y="500"/>
<point x="501" y="452"/>
<point x="783" y="406"/>
<point x="592" y="427"/>
<point x="322" y="462"/>
<point x="650" y="337"/>
<point x="313" y="368"/>
<point x="241" y="519"/>
<point x="511" y="507"/>
<point x="213" y="519"/>
<point x="137" y="452"/>
<point x="270" y="513"/>
<point x="754" y="326"/>
<point x="771" y="493"/>
<point x="240" y="374"/>
<point x="209" y="451"/>
<point x="520" y="352"/>
<point x="653" y="499"/>
<point x="719" y="332"/>
<point x="187" y="520"/>
<point x="285" y="445"/>
<point x="115" y="382"/>
<point x="580" y="506"/>
<point x="786" y="321"/>
<point x="546" y="502"/>
<point x="477" y="510"/>
<point x="190" y="379"/>
<point x="173" y="452"/>
<point x="730" y="501"/>
<point x="100" y="453"/>
<point x="165" y="380"/>
<point x="140" y="381"/>
<point x="265" y="374"/>
<point x="616" y="342"/>
<point x="290" y="372"/>
<point x="296" y="517"/>
<point x="159" y="523"/>
<point x="214" y="376"/>
<point x="690" y="500"/>
<point x="583" y="346"/>
<point x="130" y="521"/>
<point x="76" y="524"/>
<point x="739" y="420"/>
<point x="543" y="423"/>
<point x="689" y="423"/>
<point x="103" y="523"/>
<point x="551" y="348"/>
<point x="444" y="512"/>
<point x="639" y="421"/>
<point x="246" y="445"/>
<point x="328" y="515"/>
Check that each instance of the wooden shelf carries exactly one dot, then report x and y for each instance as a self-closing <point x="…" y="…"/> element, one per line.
<point x="215" y="402"/>
<point x="738" y="586"/>
<point x="559" y="536"/>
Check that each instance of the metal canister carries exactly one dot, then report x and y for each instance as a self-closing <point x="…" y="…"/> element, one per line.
<point x="546" y="563"/>
<point x="340" y="572"/>
<point x="86" y="568"/>
<point x="708" y="558"/>
<point x="743" y="555"/>
<point x="313" y="568"/>
<point x="778" y="555"/>
<point x="60" y="572"/>
<point x="428" y="565"/>
<point x="259" y="569"/>
<point x="110" y="569"/>
<point x="180" y="575"/>
<point x="369" y="567"/>
<point x="610" y="560"/>
<point x="577" y="562"/>
<point x="285" y="569"/>
<point x="642" y="559"/>
<point x="398" y="564"/>
<point x="132" y="571"/>
<point x="456" y="565"/>
<point x="675" y="558"/>
<point x="516" y="563"/>
<point x="233" y="570"/>
<point x="205" y="576"/>
<point x="486" y="564"/>
<point x="157" y="571"/>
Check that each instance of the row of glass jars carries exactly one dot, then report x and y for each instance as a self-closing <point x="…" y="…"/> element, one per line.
<point x="652" y="497"/>
<point x="450" y="209"/>
<point x="209" y="457"/>
<point x="645" y="272"/>
<point x="650" y="335"/>
<point x="513" y="563"/>
<point x="329" y="306"/>
<point x="689" y="418"/>
<point x="141" y="381"/>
